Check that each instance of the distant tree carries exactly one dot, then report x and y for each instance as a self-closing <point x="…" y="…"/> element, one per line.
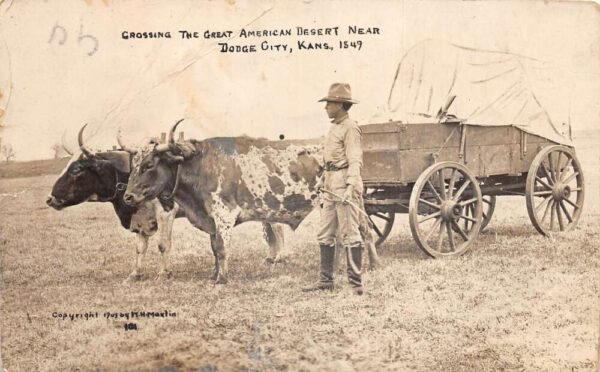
<point x="8" y="153"/>
<point x="59" y="150"/>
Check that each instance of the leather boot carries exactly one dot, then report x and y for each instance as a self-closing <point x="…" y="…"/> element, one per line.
<point x="354" y="256"/>
<point x="326" y="275"/>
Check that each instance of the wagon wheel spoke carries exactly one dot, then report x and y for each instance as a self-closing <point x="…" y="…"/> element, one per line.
<point x="562" y="175"/>
<point x="468" y="201"/>
<point x="437" y="195"/>
<point x="543" y="183"/>
<point x="557" y="168"/>
<point x="467" y="218"/>
<point x="552" y="169"/>
<point x="545" y="171"/>
<point x="559" y="215"/>
<point x="429" y="203"/>
<point x="450" y="236"/>
<point x="376" y="228"/>
<point x="460" y="231"/>
<point x="567" y="214"/>
<point x="442" y="184"/>
<point x="552" y="212"/>
<point x="463" y="187"/>
<point x="451" y="183"/>
<point x="548" y="207"/>
<point x="382" y="216"/>
<point x="573" y="204"/>
<point x="539" y="206"/>
<point x="570" y="178"/>
<point x="386" y="222"/>
<point x="542" y="193"/>
<point x="433" y="215"/>
<point x="441" y="237"/>
<point x="432" y="229"/>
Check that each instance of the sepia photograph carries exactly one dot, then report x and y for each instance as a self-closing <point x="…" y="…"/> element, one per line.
<point x="299" y="185"/>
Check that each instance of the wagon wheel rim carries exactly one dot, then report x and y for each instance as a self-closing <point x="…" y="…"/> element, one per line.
<point x="382" y="224"/>
<point x="555" y="190"/>
<point x="445" y="210"/>
<point x="487" y="210"/>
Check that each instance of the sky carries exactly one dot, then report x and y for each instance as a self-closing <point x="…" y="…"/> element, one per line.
<point x="65" y="63"/>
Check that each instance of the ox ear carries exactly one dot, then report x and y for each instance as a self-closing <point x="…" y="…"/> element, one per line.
<point x="118" y="159"/>
<point x="171" y="158"/>
<point x="185" y="149"/>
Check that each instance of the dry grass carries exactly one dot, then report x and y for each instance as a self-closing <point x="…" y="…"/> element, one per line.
<point x="19" y="169"/>
<point x="518" y="301"/>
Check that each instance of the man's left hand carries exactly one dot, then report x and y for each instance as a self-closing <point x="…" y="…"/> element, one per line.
<point x="347" y="194"/>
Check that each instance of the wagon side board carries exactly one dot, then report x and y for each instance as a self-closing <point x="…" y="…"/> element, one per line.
<point x="398" y="153"/>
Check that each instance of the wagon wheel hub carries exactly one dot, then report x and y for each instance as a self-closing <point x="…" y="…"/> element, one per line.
<point x="451" y="210"/>
<point x="561" y="191"/>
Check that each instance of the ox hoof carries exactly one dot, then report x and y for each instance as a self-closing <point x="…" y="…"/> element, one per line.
<point x="221" y="280"/>
<point x="164" y="275"/>
<point x="274" y="260"/>
<point x="374" y="265"/>
<point x="133" y="277"/>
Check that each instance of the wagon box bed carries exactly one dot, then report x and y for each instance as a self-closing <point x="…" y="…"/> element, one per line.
<point x="396" y="153"/>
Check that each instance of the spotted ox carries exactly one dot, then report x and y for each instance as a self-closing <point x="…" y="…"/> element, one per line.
<point x="222" y="182"/>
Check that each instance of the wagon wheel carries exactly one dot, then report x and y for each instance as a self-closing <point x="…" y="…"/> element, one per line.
<point x="554" y="190"/>
<point x="488" y="207"/>
<point x="438" y="216"/>
<point x="383" y="222"/>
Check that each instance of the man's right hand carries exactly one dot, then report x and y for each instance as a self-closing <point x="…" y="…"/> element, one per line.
<point x="319" y="185"/>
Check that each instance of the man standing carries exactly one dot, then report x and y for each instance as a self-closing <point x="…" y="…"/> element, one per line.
<point x="343" y="187"/>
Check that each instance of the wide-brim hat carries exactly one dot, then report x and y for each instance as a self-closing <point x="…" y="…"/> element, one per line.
<point x="339" y="92"/>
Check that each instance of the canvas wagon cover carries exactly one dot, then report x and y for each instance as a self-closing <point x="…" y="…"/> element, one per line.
<point x="491" y="88"/>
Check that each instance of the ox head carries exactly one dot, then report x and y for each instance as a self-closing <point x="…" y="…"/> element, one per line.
<point x="90" y="177"/>
<point x="155" y="171"/>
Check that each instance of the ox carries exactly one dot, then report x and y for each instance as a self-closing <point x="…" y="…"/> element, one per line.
<point x="102" y="177"/>
<point x="222" y="182"/>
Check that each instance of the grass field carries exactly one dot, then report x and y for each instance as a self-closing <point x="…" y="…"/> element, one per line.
<point x="516" y="302"/>
<point x="32" y="168"/>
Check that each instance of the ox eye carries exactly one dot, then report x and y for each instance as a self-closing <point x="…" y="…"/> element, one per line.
<point x="76" y="170"/>
<point x="146" y="167"/>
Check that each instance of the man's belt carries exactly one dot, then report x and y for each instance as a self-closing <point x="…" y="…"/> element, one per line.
<point x="332" y="168"/>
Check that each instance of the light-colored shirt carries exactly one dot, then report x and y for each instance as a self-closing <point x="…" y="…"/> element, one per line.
<point x="343" y="148"/>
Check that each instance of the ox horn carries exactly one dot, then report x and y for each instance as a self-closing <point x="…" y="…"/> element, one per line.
<point x="172" y="132"/>
<point x="62" y="143"/>
<point x="85" y="150"/>
<point x="162" y="147"/>
<point x="120" y="142"/>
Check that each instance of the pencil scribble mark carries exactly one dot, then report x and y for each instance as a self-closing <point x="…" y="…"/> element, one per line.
<point x="64" y="34"/>
<point x="89" y="37"/>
